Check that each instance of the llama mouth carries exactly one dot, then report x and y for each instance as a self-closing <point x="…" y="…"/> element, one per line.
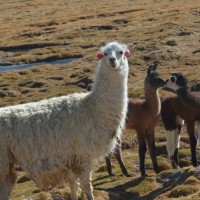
<point x="163" y="84"/>
<point x="113" y="65"/>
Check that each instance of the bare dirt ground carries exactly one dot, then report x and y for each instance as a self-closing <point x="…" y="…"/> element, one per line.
<point x="33" y="31"/>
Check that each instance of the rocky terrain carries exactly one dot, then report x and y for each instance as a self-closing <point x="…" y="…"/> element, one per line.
<point x="35" y="33"/>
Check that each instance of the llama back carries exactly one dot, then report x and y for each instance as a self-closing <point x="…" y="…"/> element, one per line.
<point x="40" y="127"/>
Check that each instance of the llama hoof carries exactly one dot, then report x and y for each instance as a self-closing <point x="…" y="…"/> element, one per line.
<point x="144" y="175"/>
<point x="125" y="172"/>
<point x="157" y="171"/>
<point x="176" y="167"/>
<point x="127" y="175"/>
<point x="111" y="174"/>
<point x="195" y="165"/>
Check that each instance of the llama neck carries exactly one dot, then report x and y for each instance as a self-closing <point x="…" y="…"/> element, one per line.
<point x="152" y="103"/>
<point x="188" y="98"/>
<point x="110" y="89"/>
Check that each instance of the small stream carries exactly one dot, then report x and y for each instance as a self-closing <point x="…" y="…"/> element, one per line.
<point x="26" y="66"/>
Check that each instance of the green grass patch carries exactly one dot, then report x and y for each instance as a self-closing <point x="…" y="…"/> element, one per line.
<point x="150" y="33"/>
<point x="183" y="190"/>
<point x="191" y="181"/>
<point x="184" y="153"/>
<point x="23" y="190"/>
<point x="142" y="186"/>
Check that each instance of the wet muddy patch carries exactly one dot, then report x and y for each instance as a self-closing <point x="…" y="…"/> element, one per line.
<point x="4" y="68"/>
<point x="27" y="47"/>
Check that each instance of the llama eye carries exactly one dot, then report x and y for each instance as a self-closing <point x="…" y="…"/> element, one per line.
<point x="121" y="52"/>
<point x="105" y="54"/>
<point x="172" y="79"/>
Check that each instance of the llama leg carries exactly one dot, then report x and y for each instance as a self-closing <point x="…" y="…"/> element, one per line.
<point x="86" y="184"/>
<point x="108" y="159"/>
<point x="173" y="143"/>
<point x="74" y="188"/>
<point x="122" y="166"/>
<point x="108" y="164"/>
<point x="4" y="190"/>
<point x="118" y="155"/>
<point x="7" y="183"/>
<point x="180" y="123"/>
<point x="150" y="138"/>
<point x="142" y="151"/>
<point x="193" y="142"/>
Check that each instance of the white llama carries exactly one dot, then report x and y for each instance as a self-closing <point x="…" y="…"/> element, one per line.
<point x="57" y="140"/>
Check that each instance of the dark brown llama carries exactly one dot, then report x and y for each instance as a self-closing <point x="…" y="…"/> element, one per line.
<point x="143" y="116"/>
<point x="185" y="105"/>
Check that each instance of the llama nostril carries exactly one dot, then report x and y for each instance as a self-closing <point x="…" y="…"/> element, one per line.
<point x="112" y="59"/>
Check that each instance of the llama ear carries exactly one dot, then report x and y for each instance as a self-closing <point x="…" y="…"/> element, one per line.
<point x="99" y="56"/>
<point x="152" y="67"/>
<point x="149" y="70"/>
<point x="127" y="53"/>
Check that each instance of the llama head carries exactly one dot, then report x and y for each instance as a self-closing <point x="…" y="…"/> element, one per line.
<point x="176" y="81"/>
<point x="153" y="77"/>
<point x="114" y="55"/>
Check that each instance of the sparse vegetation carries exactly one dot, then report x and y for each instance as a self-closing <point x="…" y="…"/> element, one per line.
<point x="183" y="190"/>
<point x="167" y="31"/>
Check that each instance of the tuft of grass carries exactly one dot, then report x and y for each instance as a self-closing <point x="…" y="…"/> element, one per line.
<point x="191" y="181"/>
<point x="163" y="163"/>
<point x="151" y="34"/>
<point x="41" y="196"/>
<point x="184" y="163"/>
<point x="183" y="190"/>
<point x="184" y="153"/>
<point x="102" y="168"/>
<point x="23" y="179"/>
<point x="23" y="190"/>
<point x="161" y="148"/>
<point x="142" y="186"/>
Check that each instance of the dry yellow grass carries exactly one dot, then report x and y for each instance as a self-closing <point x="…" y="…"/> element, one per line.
<point x="167" y="31"/>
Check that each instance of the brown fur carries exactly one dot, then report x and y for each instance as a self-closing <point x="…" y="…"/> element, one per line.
<point x="143" y="116"/>
<point x="118" y="155"/>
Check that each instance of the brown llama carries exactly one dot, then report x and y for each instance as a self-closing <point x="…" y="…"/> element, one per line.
<point x="143" y="116"/>
<point x="184" y="106"/>
<point x="118" y="155"/>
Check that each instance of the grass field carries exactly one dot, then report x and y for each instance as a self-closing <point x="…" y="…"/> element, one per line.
<point x="45" y="30"/>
